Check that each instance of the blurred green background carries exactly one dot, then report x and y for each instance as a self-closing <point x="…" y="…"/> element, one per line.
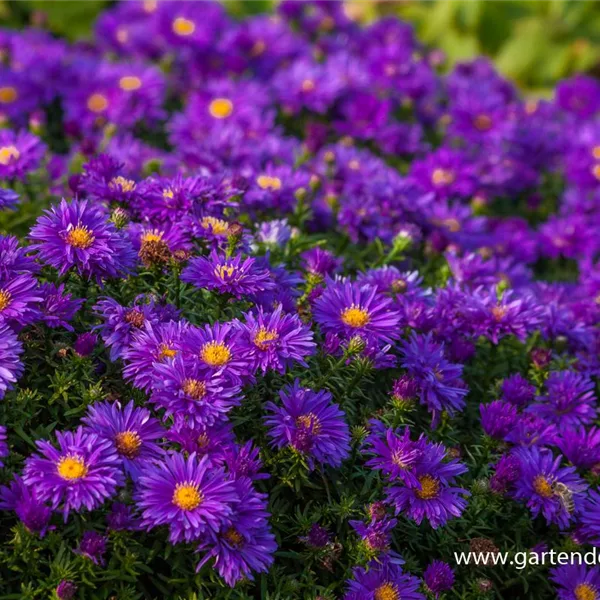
<point x="534" y="42"/>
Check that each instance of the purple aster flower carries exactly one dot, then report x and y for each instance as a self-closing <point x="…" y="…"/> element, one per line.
<point x="132" y="431"/>
<point x="382" y="581"/>
<point x="580" y="446"/>
<point x="389" y="280"/>
<point x="275" y="340"/>
<point x="405" y="389"/>
<point x="349" y="309"/>
<point x="310" y="424"/>
<point x="204" y="440"/>
<point x="218" y="349"/>
<point x="274" y="233"/>
<point x="154" y="343"/>
<point x="245" y="545"/>
<point x="376" y="537"/>
<point x="395" y="455"/>
<point x="433" y="497"/>
<point x="81" y="473"/>
<point x="517" y="390"/>
<point x="546" y="487"/>
<point x="441" y="388"/>
<point x="319" y="261"/>
<point x="93" y="547"/>
<point x="31" y="511"/>
<point x="85" y="343"/>
<point x="531" y="430"/>
<point x="20" y="153"/>
<point x="227" y="275"/>
<point x="570" y="399"/>
<point x="58" y="308"/>
<point x="188" y="496"/>
<point x="78" y="234"/>
<point x="506" y="472"/>
<point x="192" y="395"/>
<point x="317" y="536"/>
<point x="19" y="298"/>
<point x="576" y="582"/>
<point x="498" y="418"/>
<point x="121" y="322"/>
<point x="66" y="590"/>
<point x="14" y="259"/>
<point x="11" y="367"/>
<point x="244" y="461"/>
<point x="8" y="199"/>
<point x="579" y="95"/>
<point x="438" y="577"/>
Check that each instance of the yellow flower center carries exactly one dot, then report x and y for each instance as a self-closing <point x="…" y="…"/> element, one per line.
<point x="128" y="443"/>
<point x="5" y="298"/>
<point x="129" y="83"/>
<point x="97" y="103"/>
<point x="80" y="237"/>
<point x="309" y="421"/>
<point x="354" y="164"/>
<point x="584" y="591"/>
<point x="224" y="271"/>
<point x="596" y="152"/>
<point x="442" y="177"/>
<point x="263" y="337"/>
<point x="194" y="388"/>
<point x="430" y="488"/>
<point x="268" y="183"/>
<point x="71" y="468"/>
<point x="387" y="591"/>
<point x="498" y="312"/>
<point x="126" y="185"/>
<point x="8" y="95"/>
<point x="152" y="236"/>
<point x="187" y="496"/>
<point x="8" y="153"/>
<point x="308" y="85"/>
<point x="220" y="108"/>
<point x="183" y="26"/>
<point x="233" y="537"/>
<point x="355" y="316"/>
<point x="543" y="487"/>
<point x="217" y="226"/>
<point x="215" y="354"/>
<point x="596" y="171"/>
<point x="258" y="48"/>
<point x="166" y="351"/>
<point x="482" y="122"/>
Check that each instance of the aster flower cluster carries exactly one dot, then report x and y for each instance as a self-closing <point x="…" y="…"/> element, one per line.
<point x="281" y="290"/>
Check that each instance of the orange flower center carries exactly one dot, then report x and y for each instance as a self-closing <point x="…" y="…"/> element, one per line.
<point x="71" y="468"/>
<point x="309" y="421"/>
<point x="234" y="537"/>
<point x="355" y="316"/>
<point x="129" y="83"/>
<point x="80" y="237"/>
<point x="483" y="122"/>
<point x="430" y="488"/>
<point x="8" y="95"/>
<point x="387" y="591"/>
<point x="187" y="496"/>
<point x="194" y="388"/>
<point x="128" y="443"/>
<point x="220" y="108"/>
<point x="263" y="337"/>
<point x="97" y="103"/>
<point x="5" y="298"/>
<point x="165" y="351"/>
<point x="543" y="487"/>
<point x="585" y="591"/>
<point x="183" y="26"/>
<point x="442" y="177"/>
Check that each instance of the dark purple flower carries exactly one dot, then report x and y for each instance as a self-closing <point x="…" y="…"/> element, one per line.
<point x="66" y="590"/>
<point x="438" y="577"/>
<point x="92" y="546"/>
<point x="58" y="308"/>
<point x="85" y="343"/>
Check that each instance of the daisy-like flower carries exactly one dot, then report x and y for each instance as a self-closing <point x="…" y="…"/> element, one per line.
<point x="20" y="153"/>
<point x="93" y="547"/>
<point x="14" y="259"/>
<point x="506" y="471"/>
<point x="576" y="582"/>
<point x="498" y="418"/>
<point x="78" y="235"/>
<point x="192" y="395"/>
<point x="438" y="577"/>
<point x="236" y="276"/>
<point x="395" y="454"/>
<point x="203" y="440"/>
<point x="58" y="308"/>
<point x="11" y="367"/>
<point x="154" y="343"/>
<point x="349" y="309"/>
<point x="122" y="322"/>
<point x="245" y="545"/>
<point x="187" y="495"/>
<point x="85" y="343"/>
<point x="218" y="349"/>
<point x="82" y="472"/>
<point x="309" y="423"/>
<point x="19" y="299"/>
<point x="66" y="590"/>
<point x="570" y="400"/>
<point x="517" y="390"/>
<point x="382" y="581"/>
<point x="440" y="385"/>
<point x="275" y="340"/>
<point x="389" y="280"/>
<point x="24" y="501"/>
<point x="580" y="446"/>
<point x="243" y="461"/>
<point x="546" y="487"/>
<point x="434" y="497"/>
<point x="376" y="538"/>
<point x="8" y="199"/>
<point x="132" y="430"/>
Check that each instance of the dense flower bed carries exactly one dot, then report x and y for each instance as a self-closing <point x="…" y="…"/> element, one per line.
<point x="286" y="313"/>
